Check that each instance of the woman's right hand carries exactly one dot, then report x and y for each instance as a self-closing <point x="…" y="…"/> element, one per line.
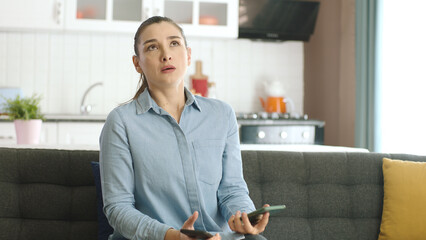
<point x="189" y="224"/>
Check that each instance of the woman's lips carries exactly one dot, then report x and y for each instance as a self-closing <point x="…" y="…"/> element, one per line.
<point x="168" y="69"/>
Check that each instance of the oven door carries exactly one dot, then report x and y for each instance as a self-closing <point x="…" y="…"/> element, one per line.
<point x="279" y="134"/>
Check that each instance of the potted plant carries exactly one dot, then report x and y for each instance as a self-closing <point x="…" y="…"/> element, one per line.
<point x="27" y="117"/>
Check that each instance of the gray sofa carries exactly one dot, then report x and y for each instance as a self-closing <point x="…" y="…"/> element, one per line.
<point x="50" y="194"/>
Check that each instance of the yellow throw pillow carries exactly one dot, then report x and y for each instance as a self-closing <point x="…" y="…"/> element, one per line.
<point x="404" y="202"/>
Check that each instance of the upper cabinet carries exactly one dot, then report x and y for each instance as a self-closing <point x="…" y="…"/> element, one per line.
<point x="30" y="14"/>
<point x="204" y="18"/>
<point x="201" y="18"/>
<point x="107" y="15"/>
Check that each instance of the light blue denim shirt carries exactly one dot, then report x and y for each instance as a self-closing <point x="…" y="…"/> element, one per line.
<point x="155" y="172"/>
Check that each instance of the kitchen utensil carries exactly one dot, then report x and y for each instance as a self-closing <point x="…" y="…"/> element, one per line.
<point x="275" y="102"/>
<point x="199" y="80"/>
<point x="274" y="88"/>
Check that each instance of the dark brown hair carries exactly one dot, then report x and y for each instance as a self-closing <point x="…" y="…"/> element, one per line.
<point x="143" y="84"/>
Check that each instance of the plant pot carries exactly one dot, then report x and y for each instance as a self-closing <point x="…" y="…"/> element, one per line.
<point x="28" y="131"/>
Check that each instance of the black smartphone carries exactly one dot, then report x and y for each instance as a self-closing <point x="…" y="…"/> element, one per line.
<point x="198" y="234"/>
<point x="255" y="216"/>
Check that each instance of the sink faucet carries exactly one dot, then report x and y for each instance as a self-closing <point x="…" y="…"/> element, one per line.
<point x="85" y="109"/>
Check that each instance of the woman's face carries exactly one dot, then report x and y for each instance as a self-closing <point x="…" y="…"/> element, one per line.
<point x="163" y="56"/>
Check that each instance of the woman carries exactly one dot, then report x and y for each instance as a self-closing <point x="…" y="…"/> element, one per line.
<point x="169" y="159"/>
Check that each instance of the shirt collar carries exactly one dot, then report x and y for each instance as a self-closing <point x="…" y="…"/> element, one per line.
<point x="145" y="102"/>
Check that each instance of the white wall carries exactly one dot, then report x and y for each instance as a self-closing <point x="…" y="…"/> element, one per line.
<point x="60" y="66"/>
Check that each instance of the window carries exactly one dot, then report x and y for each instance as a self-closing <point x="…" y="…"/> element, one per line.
<point x="401" y="77"/>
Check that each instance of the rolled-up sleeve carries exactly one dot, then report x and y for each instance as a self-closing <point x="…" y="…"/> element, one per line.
<point x="118" y="185"/>
<point x="233" y="191"/>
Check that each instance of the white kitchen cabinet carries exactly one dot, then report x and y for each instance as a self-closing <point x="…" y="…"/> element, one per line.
<point x="200" y="18"/>
<point x="204" y="18"/>
<point x="107" y="15"/>
<point x="47" y="135"/>
<point x="7" y="133"/>
<point x="79" y="133"/>
<point x="57" y="133"/>
<point x="30" y="14"/>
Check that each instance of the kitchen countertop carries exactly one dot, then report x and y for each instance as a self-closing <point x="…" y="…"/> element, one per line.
<point x="102" y="118"/>
<point x="75" y="118"/>
<point x="67" y="118"/>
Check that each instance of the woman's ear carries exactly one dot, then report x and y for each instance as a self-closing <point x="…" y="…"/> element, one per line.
<point x="136" y="64"/>
<point x="188" y="53"/>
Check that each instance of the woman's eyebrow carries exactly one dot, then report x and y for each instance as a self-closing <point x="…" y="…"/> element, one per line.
<point x="155" y="40"/>
<point x="150" y="40"/>
<point x="173" y="37"/>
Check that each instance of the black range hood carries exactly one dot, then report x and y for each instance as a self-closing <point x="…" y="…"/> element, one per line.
<point x="278" y="20"/>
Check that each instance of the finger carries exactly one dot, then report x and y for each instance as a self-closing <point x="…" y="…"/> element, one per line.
<point x="237" y="223"/>
<point x="231" y="223"/>
<point x="248" y="228"/>
<point x="260" y="227"/>
<point x="189" y="223"/>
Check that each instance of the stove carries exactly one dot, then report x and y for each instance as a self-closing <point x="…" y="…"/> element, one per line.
<point x="279" y="128"/>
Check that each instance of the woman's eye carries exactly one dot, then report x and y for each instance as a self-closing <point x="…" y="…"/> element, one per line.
<point x="151" y="47"/>
<point x="174" y="43"/>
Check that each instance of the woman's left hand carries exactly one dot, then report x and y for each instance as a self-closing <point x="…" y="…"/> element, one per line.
<point x="245" y="226"/>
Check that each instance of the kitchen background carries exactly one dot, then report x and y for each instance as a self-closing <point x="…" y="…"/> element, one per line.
<point x="61" y="66"/>
<point x="318" y="75"/>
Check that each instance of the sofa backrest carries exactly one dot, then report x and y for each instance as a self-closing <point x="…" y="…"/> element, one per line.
<point x="50" y="194"/>
<point x="328" y="195"/>
<point x="47" y="194"/>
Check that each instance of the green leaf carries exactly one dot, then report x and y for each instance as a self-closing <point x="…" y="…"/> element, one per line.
<point x="23" y="108"/>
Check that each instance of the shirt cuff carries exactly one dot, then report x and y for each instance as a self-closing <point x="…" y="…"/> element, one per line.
<point x="159" y="231"/>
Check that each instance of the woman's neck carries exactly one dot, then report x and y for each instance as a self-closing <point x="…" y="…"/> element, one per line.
<point x="172" y="100"/>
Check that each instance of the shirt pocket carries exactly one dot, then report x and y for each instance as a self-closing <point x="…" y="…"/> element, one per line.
<point x="208" y="160"/>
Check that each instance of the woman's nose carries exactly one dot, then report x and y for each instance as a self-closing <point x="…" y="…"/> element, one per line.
<point x="167" y="58"/>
